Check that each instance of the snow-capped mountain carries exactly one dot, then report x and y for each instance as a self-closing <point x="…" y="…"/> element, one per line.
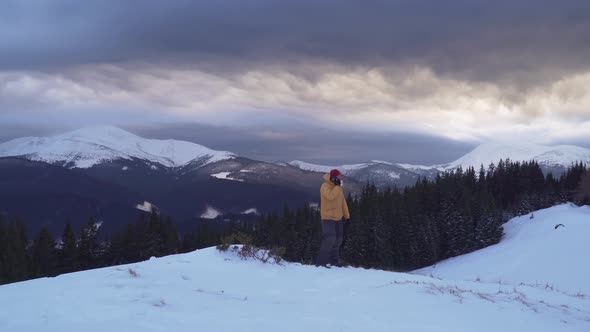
<point x="382" y="173"/>
<point x="534" y="280"/>
<point x="345" y="169"/>
<point x="106" y="172"/>
<point x="551" y="159"/>
<point x="87" y="147"/>
<point x="548" y="156"/>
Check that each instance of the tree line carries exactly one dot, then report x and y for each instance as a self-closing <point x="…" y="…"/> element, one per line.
<point x="149" y="236"/>
<point x="394" y="229"/>
<point x="405" y="229"/>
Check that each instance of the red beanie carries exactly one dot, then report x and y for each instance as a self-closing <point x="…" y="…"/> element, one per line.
<point x="334" y="173"/>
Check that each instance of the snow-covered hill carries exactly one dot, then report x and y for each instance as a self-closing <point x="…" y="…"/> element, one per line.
<point x="345" y="169"/>
<point x="532" y="252"/>
<point x="382" y="173"/>
<point x="550" y="156"/>
<point x="86" y="147"/>
<point x="211" y="291"/>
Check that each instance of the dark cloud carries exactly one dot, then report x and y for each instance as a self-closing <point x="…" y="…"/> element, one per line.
<point x="315" y="144"/>
<point x="476" y="39"/>
<point x="272" y="71"/>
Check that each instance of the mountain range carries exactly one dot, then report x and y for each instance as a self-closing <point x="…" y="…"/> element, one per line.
<point x="106" y="172"/>
<point x="551" y="159"/>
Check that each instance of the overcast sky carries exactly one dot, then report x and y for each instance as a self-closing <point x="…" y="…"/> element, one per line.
<point x="325" y="81"/>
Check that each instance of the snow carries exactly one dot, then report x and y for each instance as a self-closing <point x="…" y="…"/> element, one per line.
<point x="311" y="167"/>
<point x="485" y="154"/>
<point x="345" y="169"/>
<point x="381" y="162"/>
<point x="210" y="213"/>
<point x="251" y="211"/>
<point x="501" y="288"/>
<point x="90" y="146"/>
<point x="124" y="168"/>
<point x="532" y="252"/>
<point x="146" y="206"/>
<point x="411" y="167"/>
<point x="225" y="176"/>
<point x="222" y="175"/>
<point x="207" y="290"/>
<point x="394" y="175"/>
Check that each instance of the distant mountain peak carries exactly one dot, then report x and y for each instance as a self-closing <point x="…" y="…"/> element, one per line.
<point x="551" y="158"/>
<point x="89" y="146"/>
<point x="343" y="168"/>
<point x="492" y="152"/>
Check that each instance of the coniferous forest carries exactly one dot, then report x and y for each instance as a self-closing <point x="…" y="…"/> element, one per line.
<point x="395" y="229"/>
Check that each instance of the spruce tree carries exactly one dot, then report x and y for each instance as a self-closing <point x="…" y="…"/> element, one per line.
<point x="88" y="247"/>
<point x="171" y="242"/>
<point x="583" y="189"/>
<point x="68" y="253"/>
<point x="16" y="259"/>
<point x="152" y="240"/>
<point x="3" y="248"/>
<point x="43" y="258"/>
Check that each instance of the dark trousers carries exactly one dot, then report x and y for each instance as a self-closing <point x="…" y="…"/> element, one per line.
<point x="332" y="234"/>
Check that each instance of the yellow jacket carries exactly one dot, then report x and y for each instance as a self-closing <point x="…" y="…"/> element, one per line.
<point x="333" y="204"/>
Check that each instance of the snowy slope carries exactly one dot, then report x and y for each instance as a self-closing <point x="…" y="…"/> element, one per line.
<point x="211" y="291"/>
<point x="485" y="154"/>
<point x="532" y="252"/>
<point x="211" y="213"/>
<point x="349" y="170"/>
<point x="325" y="169"/>
<point x="89" y="146"/>
<point x="225" y="176"/>
<point x="382" y="173"/>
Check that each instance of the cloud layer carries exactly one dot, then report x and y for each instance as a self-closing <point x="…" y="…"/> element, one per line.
<point x="363" y="98"/>
<point x="463" y="70"/>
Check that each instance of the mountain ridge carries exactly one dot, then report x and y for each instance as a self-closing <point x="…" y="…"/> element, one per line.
<point x="89" y="146"/>
<point x="485" y="154"/>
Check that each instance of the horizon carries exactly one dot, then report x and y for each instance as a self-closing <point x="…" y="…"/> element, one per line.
<point x="491" y="143"/>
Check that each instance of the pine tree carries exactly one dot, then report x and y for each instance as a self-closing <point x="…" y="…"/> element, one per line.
<point x="152" y="241"/>
<point x="15" y="251"/>
<point x="43" y="258"/>
<point x="3" y="249"/>
<point x="130" y="246"/>
<point x="88" y="247"/>
<point x="171" y="242"/>
<point x="68" y="253"/>
<point x="583" y="189"/>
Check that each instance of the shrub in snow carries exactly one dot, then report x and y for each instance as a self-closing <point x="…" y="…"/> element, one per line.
<point x="133" y="273"/>
<point x="242" y="244"/>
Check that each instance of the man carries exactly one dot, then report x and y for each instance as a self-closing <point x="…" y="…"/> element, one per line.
<point x="333" y="209"/>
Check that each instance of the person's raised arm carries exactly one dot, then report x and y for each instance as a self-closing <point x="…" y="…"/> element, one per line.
<point x="331" y="194"/>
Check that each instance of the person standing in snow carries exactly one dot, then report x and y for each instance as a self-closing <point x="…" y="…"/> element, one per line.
<point x="334" y="211"/>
